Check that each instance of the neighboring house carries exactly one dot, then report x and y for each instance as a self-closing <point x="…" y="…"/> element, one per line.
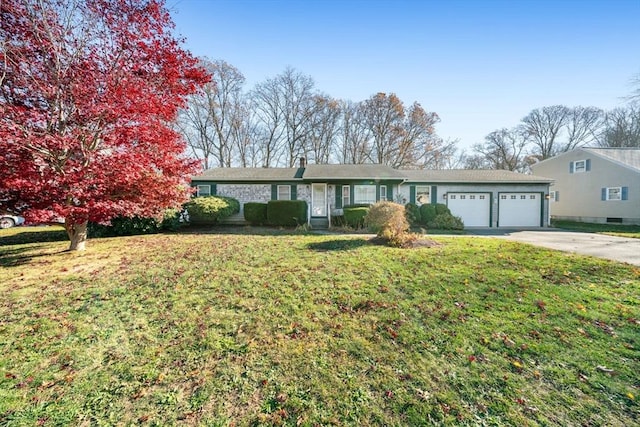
<point x="600" y="185"/>
<point x="481" y="198"/>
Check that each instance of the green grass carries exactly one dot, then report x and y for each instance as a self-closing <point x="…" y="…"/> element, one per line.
<point x="225" y="329"/>
<point x="621" y="230"/>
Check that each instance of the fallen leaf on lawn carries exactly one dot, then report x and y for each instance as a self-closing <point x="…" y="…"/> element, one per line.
<point x="605" y="369"/>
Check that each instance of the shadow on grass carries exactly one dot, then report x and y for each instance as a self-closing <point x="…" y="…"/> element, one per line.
<point x="339" y="245"/>
<point x="34" y="236"/>
<point x="19" y="256"/>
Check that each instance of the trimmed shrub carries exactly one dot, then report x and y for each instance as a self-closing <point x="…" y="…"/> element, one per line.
<point x="446" y="221"/>
<point x="172" y="220"/>
<point x="442" y="209"/>
<point x="427" y="213"/>
<point x="388" y="220"/>
<point x="354" y="216"/>
<point x="287" y="213"/>
<point x="255" y="213"/>
<point x="211" y="209"/>
<point x="412" y="212"/>
<point x="124" y="226"/>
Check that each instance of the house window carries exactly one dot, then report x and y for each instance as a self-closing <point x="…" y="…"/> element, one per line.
<point x="532" y="196"/>
<point x="422" y="194"/>
<point x="472" y="197"/>
<point x="462" y="197"/>
<point x="383" y="192"/>
<point x="203" y="190"/>
<point x="503" y="197"/>
<point x="284" y="192"/>
<point x="482" y="196"/>
<point x="579" y="166"/>
<point x="513" y="196"/>
<point x="614" y="193"/>
<point x="522" y="196"/>
<point x="452" y="197"/>
<point x="346" y="195"/>
<point x="364" y="194"/>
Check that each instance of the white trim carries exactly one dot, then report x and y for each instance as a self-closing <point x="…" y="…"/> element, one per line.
<point x="427" y="192"/>
<point x="383" y="192"/>
<point x="200" y="193"/>
<point x="619" y="193"/>
<point x="346" y="197"/>
<point x="583" y="166"/>
<point x="369" y="196"/>
<point x="288" y="191"/>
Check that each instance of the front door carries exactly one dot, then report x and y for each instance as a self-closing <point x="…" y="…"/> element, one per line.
<point x="319" y="200"/>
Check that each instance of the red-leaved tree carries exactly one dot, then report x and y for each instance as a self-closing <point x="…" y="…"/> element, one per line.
<point x="88" y="92"/>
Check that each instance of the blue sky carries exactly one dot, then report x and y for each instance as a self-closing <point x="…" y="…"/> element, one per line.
<point x="480" y="65"/>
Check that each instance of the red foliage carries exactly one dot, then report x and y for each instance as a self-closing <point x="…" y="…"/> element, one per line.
<point x="88" y="95"/>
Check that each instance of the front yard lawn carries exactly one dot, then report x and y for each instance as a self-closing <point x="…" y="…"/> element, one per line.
<point x="236" y="329"/>
<point x="620" y="230"/>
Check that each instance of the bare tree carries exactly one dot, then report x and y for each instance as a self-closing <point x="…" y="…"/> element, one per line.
<point x="209" y="119"/>
<point x="384" y="115"/>
<point x="419" y="145"/>
<point x="543" y="127"/>
<point x="583" y="124"/>
<point x="622" y="127"/>
<point x="503" y="149"/>
<point x="354" y="147"/>
<point x="266" y="104"/>
<point x="324" y="127"/>
<point x="558" y="129"/>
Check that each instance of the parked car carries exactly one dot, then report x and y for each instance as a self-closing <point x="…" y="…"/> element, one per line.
<point x="8" y="221"/>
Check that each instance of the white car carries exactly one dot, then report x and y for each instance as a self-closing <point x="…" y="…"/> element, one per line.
<point x="8" y="221"/>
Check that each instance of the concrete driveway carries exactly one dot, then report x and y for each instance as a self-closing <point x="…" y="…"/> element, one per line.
<point x="598" y="245"/>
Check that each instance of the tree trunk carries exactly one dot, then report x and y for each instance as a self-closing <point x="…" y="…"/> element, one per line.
<point x="77" y="234"/>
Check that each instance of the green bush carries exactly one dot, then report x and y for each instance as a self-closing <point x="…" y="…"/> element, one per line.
<point x="287" y="213"/>
<point x="338" y="221"/>
<point x="446" y="221"/>
<point x="124" y="226"/>
<point x="354" y="216"/>
<point x="172" y="220"/>
<point x="388" y="220"/>
<point x="412" y="212"/>
<point x="255" y="213"/>
<point x="211" y="209"/>
<point x="427" y="213"/>
<point x="442" y="209"/>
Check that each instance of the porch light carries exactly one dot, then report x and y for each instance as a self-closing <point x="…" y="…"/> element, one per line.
<point x="444" y="196"/>
<point x="547" y="196"/>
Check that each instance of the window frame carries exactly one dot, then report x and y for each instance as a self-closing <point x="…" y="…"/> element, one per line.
<point x="346" y="195"/>
<point x="371" y="190"/>
<point x="583" y="163"/>
<point x="288" y="188"/>
<point x="198" y="192"/>
<point x="418" y="193"/>
<point x="609" y="194"/>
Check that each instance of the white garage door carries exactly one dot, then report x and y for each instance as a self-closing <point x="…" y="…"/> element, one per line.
<point x="473" y="208"/>
<point x="519" y="209"/>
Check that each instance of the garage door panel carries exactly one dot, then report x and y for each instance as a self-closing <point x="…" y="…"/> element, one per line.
<point x="519" y="209"/>
<point x="473" y="208"/>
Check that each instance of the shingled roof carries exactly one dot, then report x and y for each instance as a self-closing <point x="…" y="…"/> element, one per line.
<point x="251" y="174"/>
<point x="329" y="173"/>
<point x="472" y="175"/>
<point x="626" y="156"/>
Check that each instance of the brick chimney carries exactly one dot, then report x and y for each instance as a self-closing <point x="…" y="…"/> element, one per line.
<point x="303" y="162"/>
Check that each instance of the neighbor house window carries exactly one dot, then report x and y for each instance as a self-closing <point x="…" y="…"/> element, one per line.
<point x="284" y="192"/>
<point x="204" y="190"/>
<point x="346" y="195"/>
<point x="422" y="194"/>
<point x="580" y="166"/>
<point x="383" y="192"/>
<point x="363" y="194"/>
<point x="614" y="193"/>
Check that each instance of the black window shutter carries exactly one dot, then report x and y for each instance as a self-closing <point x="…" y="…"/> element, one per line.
<point x="603" y="194"/>
<point x="274" y="192"/>
<point x="588" y="165"/>
<point x="570" y="167"/>
<point x="412" y="194"/>
<point x="625" y="193"/>
<point x="294" y="192"/>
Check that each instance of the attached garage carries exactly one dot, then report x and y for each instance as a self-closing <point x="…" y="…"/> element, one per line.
<point x="520" y="210"/>
<point x="473" y="208"/>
